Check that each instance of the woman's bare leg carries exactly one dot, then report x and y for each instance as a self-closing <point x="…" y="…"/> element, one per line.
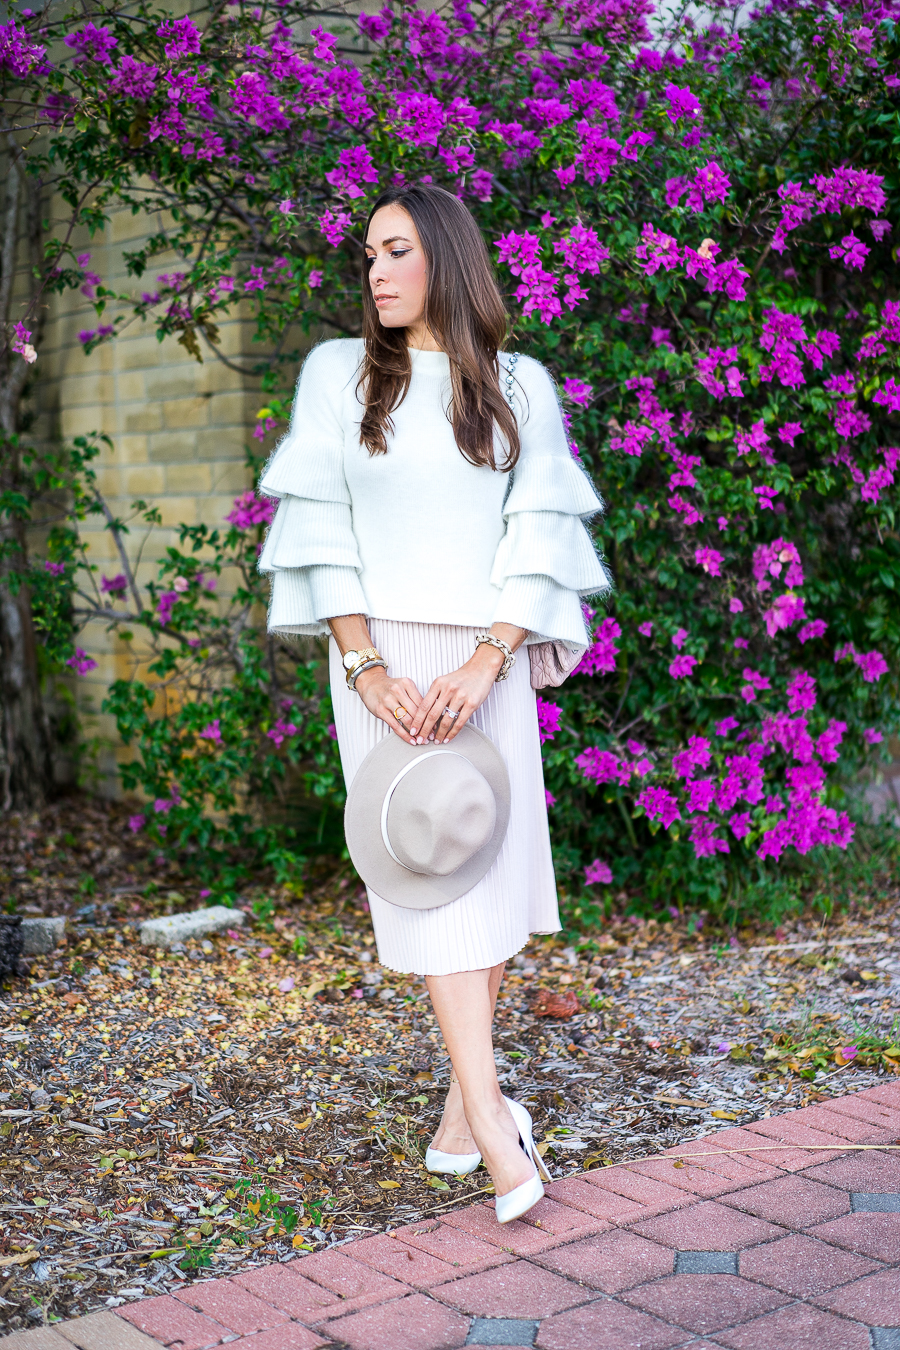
<point x="464" y="1004"/>
<point x="453" y="1134"/>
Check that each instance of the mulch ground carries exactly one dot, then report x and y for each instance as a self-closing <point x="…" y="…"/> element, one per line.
<point x="272" y="1089"/>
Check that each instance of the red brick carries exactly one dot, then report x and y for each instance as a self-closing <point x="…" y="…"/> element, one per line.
<point x="356" y="1285"/>
<point x="516" y="1290"/>
<point x="172" y="1323"/>
<point x="887" y="1093"/>
<point x="563" y="1222"/>
<point x="875" y="1235"/>
<point x="790" y="1129"/>
<point x="863" y="1108"/>
<point x="580" y="1194"/>
<point x="412" y="1323"/>
<point x="606" y="1325"/>
<point x="764" y="1133"/>
<point x="707" y="1227"/>
<point x="656" y="1196"/>
<point x="290" y="1336"/>
<point x="283" y="1287"/>
<point x="796" y="1328"/>
<point x="758" y="1149"/>
<point x="795" y="1202"/>
<point x="742" y="1144"/>
<point x="463" y="1251"/>
<point x="402" y="1262"/>
<point x="847" y="1126"/>
<point x="236" y="1308"/>
<point x="874" y="1300"/>
<point x="801" y="1266"/>
<point x="707" y="1177"/>
<point x="522" y="1239"/>
<point x="611" y="1262"/>
<point x="870" y="1172"/>
<point x="704" y="1303"/>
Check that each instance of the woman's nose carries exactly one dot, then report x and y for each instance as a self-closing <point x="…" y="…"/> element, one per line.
<point x="378" y="272"/>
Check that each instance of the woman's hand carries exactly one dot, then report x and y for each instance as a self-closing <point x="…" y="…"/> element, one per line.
<point x="385" y="696"/>
<point x="462" y="691"/>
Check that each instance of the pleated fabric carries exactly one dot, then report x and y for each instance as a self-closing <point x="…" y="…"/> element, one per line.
<point x="517" y="897"/>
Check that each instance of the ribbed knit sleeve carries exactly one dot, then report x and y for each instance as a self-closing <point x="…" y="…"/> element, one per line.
<point x="546" y="560"/>
<point x="310" y="549"/>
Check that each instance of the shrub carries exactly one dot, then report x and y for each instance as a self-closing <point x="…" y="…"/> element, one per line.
<point x="695" y="229"/>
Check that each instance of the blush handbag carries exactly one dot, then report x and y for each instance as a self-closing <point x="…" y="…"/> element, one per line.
<point x="551" y="662"/>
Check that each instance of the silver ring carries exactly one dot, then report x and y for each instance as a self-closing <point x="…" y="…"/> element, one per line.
<point x="454" y="715"/>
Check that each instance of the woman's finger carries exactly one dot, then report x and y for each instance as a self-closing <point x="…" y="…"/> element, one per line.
<point x="465" y="713"/>
<point x="434" y="711"/>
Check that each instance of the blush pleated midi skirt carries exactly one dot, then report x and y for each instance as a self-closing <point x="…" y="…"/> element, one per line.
<point x="517" y="896"/>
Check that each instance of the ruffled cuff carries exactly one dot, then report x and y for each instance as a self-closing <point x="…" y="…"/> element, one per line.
<point x="548" y="544"/>
<point x="546" y="610"/>
<point x="303" y="598"/>
<point x="307" y="533"/>
<point x="551" y="483"/>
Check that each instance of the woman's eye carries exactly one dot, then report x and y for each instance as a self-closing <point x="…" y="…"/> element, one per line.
<point x="399" y="252"/>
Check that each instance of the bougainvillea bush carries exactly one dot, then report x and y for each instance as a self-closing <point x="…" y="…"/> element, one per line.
<point x="694" y="224"/>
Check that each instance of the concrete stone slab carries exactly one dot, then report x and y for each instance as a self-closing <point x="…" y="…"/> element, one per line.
<point x="42" y="935"/>
<point x="172" y="928"/>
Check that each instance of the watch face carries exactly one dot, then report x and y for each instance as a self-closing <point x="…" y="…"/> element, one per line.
<point x="349" y="659"/>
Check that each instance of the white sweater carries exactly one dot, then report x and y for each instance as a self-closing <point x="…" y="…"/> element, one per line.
<point x="420" y="533"/>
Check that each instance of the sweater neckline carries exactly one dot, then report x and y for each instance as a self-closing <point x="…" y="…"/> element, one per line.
<point x="429" y="363"/>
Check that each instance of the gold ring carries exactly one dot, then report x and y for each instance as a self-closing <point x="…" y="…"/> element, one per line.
<point x="399" y="712"/>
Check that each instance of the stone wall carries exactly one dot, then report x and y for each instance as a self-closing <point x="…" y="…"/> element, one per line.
<point x="178" y="428"/>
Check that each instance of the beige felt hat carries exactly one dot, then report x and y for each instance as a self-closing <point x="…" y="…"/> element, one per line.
<point x="425" y="822"/>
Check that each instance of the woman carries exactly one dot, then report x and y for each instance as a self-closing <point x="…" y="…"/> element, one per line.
<point x="431" y="519"/>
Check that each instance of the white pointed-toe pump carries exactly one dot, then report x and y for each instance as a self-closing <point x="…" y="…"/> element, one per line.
<point x="454" y="1164"/>
<point x="522" y="1198"/>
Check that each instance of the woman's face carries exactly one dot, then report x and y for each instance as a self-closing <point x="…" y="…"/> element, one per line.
<point x="396" y="268"/>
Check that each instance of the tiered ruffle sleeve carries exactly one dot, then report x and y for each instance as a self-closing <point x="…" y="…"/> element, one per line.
<point x="310" y="549"/>
<point x="546" y="561"/>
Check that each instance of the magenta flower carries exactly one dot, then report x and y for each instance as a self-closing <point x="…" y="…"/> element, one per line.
<point x="212" y="731"/>
<point x="601" y="655"/>
<point x="281" y="731"/>
<point x="872" y="665"/>
<point x="659" y="802"/>
<point x="645" y="629"/>
<point x="682" y="666"/>
<point x="679" y="637"/>
<point x="801" y="692"/>
<point x="55" y="569"/>
<point x="331" y="730"/>
<point x="871" y="736"/>
<point x="250" y="510"/>
<point x="548" y="719"/>
<point x="315" y="278"/>
<point x="166" y="603"/>
<point x="81" y="662"/>
<point x="598" y="872"/>
<point x="814" y="629"/>
<point x="577" y="390"/>
<point x="549" y="798"/>
<point x="114" y="585"/>
<point x="727" y="724"/>
<point x="286" y="985"/>
<point x="135" y="823"/>
<point x="710" y="560"/>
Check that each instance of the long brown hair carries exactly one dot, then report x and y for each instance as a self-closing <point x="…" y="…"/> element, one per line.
<point x="463" y="309"/>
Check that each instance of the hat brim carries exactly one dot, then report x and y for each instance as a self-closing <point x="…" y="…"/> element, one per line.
<point x="362" y="821"/>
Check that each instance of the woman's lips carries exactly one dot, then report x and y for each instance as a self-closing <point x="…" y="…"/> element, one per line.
<point x="384" y="299"/>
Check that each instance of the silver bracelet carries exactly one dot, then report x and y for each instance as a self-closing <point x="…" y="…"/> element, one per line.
<point x="366" y="665"/>
<point x="509" y="656"/>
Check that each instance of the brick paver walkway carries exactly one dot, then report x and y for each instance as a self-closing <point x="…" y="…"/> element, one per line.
<point x="783" y="1250"/>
